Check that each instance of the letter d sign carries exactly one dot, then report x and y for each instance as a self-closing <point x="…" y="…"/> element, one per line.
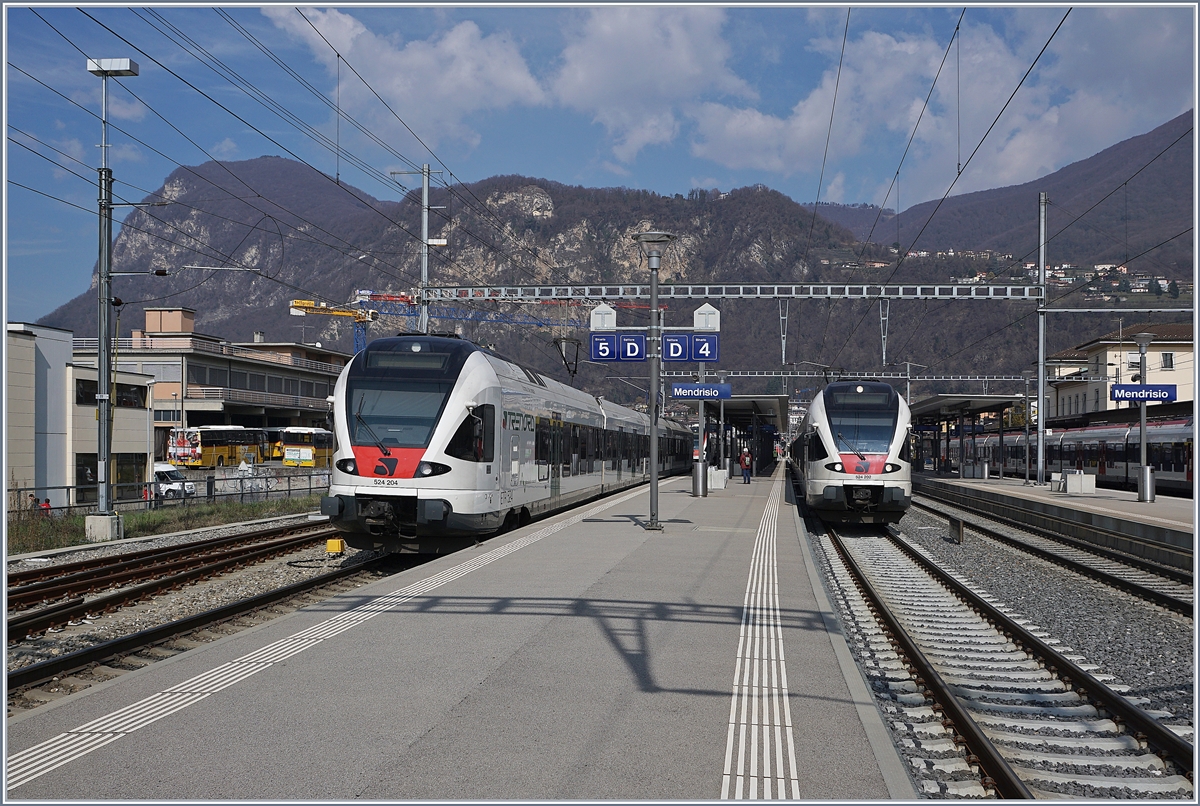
<point x="633" y="348"/>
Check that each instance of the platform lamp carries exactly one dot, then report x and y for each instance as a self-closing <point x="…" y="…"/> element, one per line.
<point x="722" y="375"/>
<point x="1027" y="374"/>
<point x="105" y="524"/>
<point x="1145" y="473"/>
<point x="652" y="245"/>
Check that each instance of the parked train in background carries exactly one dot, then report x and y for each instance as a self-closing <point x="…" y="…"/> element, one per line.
<point x="440" y="441"/>
<point x="853" y="454"/>
<point x="1110" y="452"/>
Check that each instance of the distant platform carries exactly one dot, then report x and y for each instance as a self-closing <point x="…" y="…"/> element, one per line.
<point x="1168" y="521"/>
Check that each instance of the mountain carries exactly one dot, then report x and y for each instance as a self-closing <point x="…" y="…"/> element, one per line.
<point x="312" y="237"/>
<point x="1151" y="210"/>
<point x="866" y="221"/>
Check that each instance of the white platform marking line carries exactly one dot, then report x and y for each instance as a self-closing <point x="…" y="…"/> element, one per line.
<point x="40" y="759"/>
<point x="757" y="722"/>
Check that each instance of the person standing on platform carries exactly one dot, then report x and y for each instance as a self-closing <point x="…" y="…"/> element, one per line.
<point x="745" y="462"/>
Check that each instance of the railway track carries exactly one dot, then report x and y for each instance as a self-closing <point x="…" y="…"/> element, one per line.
<point x="1164" y="586"/>
<point x="992" y="703"/>
<point x="49" y="598"/>
<point x="31" y="686"/>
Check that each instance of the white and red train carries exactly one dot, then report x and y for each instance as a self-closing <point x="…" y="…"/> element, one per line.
<point x="853" y="456"/>
<point x="439" y="441"/>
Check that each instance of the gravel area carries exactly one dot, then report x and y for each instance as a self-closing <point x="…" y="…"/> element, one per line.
<point x="1147" y="648"/>
<point x="197" y="598"/>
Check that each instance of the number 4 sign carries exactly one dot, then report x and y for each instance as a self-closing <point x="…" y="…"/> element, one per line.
<point x="706" y="347"/>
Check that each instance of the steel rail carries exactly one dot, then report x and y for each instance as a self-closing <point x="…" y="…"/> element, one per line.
<point x="1129" y="586"/>
<point x="1165" y="742"/>
<point x="20" y="579"/>
<point x="124" y="573"/>
<point x="40" y="672"/>
<point x="38" y="621"/>
<point x="992" y="765"/>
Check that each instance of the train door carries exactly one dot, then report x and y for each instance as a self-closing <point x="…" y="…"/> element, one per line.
<point x="1101" y="458"/>
<point x="1187" y="459"/>
<point x="514" y="460"/>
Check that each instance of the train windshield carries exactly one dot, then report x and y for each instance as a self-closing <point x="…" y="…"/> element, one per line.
<point x="397" y="388"/>
<point x="862" y="416"/>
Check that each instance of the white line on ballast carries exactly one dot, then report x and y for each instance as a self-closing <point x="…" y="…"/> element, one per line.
<point x="40" y="759"/>
<point x="760" y="716"/>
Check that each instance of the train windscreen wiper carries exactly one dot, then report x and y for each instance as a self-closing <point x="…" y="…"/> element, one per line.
<point x="378" y="442"/>
<point x="853" y="449"/>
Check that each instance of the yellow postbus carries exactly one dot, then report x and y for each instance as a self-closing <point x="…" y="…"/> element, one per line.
<point x="215" y="446"/>
<point x="306" y="447"/>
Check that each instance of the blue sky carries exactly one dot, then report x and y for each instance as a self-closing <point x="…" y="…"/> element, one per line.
<point x="666" y="98"/>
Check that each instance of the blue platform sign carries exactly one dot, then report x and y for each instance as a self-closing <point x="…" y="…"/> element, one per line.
<point x="1150" y="392"/>
<point x="604" y="346"/>
<point x="706" y="347"/>
<point x="633" y="347"/>
<point x="676" y="347"/>
<point x="701" y="391"/>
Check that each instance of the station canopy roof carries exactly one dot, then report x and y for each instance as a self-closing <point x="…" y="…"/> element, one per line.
<point x="740" y="410"/>
<point x="948" y="407"/>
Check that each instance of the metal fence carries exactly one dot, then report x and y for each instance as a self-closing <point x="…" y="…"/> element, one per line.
<point x="219" y="485"/>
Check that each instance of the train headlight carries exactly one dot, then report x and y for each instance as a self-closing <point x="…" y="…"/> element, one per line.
<point x="347" y="466"/>
<point x="426" y="469"/>
<point x="891" y="468"/>
<point x="836" y="467"/>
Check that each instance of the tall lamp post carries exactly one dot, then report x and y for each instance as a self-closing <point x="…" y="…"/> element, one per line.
<point x="106" y="524"/>
<point x="652" y="245"/>
<point x="721" y="376"/>
<point x="1145" y="473"/>
<point x="1027" y="373"/>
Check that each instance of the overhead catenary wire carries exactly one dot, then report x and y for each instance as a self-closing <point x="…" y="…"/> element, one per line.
<point x="1050" y="238"/>
<point x="900" y="257"/>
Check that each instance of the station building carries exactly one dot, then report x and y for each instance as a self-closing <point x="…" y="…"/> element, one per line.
<point x="166" y="375"/>
<point x="205" y="380"/>
<point x="1084" y="375"/>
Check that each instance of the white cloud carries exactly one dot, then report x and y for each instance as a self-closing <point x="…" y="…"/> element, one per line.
<point x="224" y="150"/>
<point x="434" y="85"/>
<point x="1110" y="74"/>
<point x="633" y="69"/>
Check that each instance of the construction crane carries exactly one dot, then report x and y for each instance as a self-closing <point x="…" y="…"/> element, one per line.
<point x="407" y="305"/>
<point x="304" y="307"/>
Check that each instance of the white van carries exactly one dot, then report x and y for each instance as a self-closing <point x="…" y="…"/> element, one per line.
<point x="170" y="483"/>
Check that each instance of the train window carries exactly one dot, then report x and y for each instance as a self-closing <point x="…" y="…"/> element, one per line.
<point x="394" y="413"/>
<point x="541" y="447"/>
<point x="816" y="448"/>
<point x="474" y="439"/>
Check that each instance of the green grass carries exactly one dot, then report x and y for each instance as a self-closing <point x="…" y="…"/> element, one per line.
<point x="32" y="532"/>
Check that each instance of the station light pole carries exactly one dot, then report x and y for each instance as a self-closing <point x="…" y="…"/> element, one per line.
<point x="1145" y="473"/>
<point x="652" y="245"/>
<point x="721" y="376"/>
<point x="105" y="524"/>
<point x="1028" y="373"/>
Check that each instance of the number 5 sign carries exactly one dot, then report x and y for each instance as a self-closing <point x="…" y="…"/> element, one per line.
<point x="604" y="346"/>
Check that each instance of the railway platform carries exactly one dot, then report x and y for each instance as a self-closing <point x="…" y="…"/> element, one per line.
<point x="1168" y="521"/>
<point x="579" y="657"/>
